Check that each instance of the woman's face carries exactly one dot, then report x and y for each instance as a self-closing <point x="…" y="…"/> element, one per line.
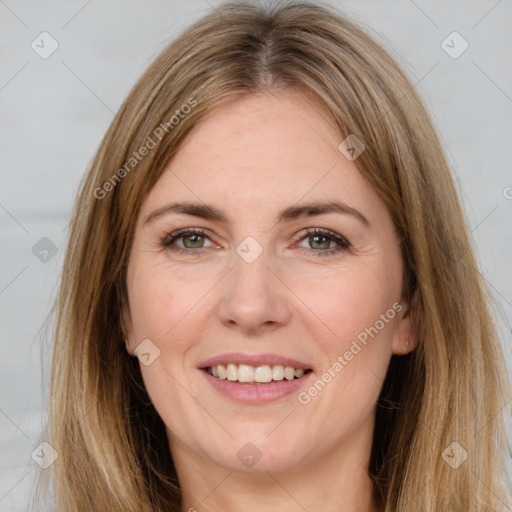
<point x="293" y="265"/>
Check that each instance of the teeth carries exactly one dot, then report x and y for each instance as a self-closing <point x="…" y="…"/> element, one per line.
<point x="260" y="374"/>
<point x="232" y="372"/>
<point x="263" y="373"/>
<point x="278" y="372"/>
<point x="245" y="373"/>
<point x="289" y="373"/>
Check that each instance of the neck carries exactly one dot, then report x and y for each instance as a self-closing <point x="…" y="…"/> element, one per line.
<point x="336" y="480"/>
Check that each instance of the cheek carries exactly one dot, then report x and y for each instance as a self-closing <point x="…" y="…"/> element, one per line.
<point x="162" y="302"/>
<point x="166" y="308"/>
<point x="153" y="306"/>
<point x="348" y="301"/>
<point x="357" y="309"/>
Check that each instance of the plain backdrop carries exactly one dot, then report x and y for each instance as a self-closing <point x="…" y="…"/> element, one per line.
<point x="55" y="110"/>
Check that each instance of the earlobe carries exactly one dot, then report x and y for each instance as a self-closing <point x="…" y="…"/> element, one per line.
<point x="405" y="336"/>
<point x="127" y="346"/>
<point x="126" y="328"/>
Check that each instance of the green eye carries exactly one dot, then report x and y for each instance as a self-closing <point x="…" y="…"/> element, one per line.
<point x="322" y="241"/>
<point x="195" y="241"/>
<point x="319" y="241"/>
<point x="184" y="239"/>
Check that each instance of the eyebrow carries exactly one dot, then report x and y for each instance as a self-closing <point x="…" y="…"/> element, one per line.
<point x="293" y="212"/>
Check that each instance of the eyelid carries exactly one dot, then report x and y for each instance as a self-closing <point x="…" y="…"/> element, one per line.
<point x="342" y="240"/>
<point x="342" y="244"/>
<point x="180" y="233"/>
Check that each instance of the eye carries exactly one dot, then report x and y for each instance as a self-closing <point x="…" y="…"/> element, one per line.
<point x="189" y="238"/>
<point x="324" y="242"/>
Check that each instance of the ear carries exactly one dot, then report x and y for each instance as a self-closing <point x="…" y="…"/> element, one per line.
<point x="127" y="327"/>
<point x="406" y="339"/>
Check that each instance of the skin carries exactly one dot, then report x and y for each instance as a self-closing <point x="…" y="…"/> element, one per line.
<point x="252" y="158"/>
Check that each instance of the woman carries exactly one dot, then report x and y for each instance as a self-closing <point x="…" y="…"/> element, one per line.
<point x="270" y="299"/>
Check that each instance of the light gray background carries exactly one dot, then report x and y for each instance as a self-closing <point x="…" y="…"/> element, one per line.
<point x="54" y="112"/>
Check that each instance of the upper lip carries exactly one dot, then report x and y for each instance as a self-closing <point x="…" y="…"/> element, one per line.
<point x="253" y="360"/>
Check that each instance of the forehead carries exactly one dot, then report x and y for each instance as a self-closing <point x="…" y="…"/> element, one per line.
<point x="262" y="151"/>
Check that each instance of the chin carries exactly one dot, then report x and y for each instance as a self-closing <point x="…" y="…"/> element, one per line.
<point x="255" y="460"/>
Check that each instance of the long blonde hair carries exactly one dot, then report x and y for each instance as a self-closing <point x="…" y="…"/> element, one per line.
<point x="113" y="451"/>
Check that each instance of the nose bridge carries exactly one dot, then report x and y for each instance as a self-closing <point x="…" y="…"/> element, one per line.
<point x="253" y="297"/>
<point x="252" y="271"/>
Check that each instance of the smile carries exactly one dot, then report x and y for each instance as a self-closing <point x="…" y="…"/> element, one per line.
<point x="263" y="374"/>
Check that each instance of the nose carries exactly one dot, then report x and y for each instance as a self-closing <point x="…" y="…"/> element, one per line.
<point x="254" y="299"/>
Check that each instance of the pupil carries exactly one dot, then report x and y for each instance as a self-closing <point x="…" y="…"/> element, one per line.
<point x="192" y="237"/>
<point x="316" y="239"/>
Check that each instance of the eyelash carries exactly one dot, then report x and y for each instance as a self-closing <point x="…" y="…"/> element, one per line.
<point x="342" y="243"/>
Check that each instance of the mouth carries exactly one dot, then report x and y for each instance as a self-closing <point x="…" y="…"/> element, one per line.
<point x="255" y="375"/>
<point x="255" y="379"/>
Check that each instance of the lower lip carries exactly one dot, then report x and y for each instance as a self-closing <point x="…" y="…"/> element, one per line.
<point x="256" y="393"/>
